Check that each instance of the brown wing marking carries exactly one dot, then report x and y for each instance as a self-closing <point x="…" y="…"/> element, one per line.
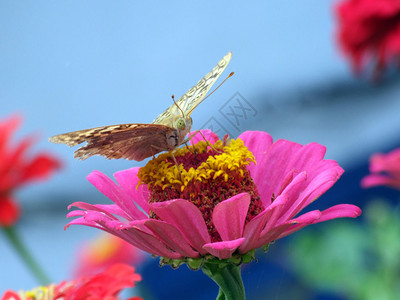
<point x="80" y="136"/>
<point x="138" y="143"/>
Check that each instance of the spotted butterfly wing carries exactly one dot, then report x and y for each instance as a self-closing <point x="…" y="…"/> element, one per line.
<point x="139" y="141"/>
<point x="188" y="102"/>
<point x="129" y="141"/>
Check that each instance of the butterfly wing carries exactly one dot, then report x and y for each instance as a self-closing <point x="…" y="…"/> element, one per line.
<point x="139" y="141"/>
<point x="129" y="141"/>
<point x="188" y="102"/>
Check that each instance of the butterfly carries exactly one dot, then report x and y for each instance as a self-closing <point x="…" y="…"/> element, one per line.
<point x="139" y="141"/>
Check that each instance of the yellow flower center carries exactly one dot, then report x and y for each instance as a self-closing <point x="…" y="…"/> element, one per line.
<point x="39" y="293"/>
<point x="203" y="175"/>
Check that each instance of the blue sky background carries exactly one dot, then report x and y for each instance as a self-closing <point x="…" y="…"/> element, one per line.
<point x="70" y="65"/>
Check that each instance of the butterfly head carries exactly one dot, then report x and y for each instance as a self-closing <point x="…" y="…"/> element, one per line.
<point x="183" y="123"/>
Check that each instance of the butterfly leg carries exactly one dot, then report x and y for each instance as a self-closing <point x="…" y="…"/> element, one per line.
<point x="188" y="146"/>
<point x="157" y="148"/>
<point x="162" y="149"/>
<point x="173" y="156"/>
<point x="204" y="138"/>
<point x="194" y="151"/>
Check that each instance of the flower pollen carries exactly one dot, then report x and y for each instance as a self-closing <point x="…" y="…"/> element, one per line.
<point x="39" y="293"/>
<point x="203" y="175"/>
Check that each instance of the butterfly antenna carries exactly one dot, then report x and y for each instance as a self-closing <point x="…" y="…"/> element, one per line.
<point x="230" y="75"/>
<point x="173" y="99"/>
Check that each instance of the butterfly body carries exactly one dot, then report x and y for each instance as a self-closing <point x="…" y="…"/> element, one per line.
<point x="139" y="141"/>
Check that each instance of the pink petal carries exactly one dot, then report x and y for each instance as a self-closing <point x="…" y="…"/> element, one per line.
<point x="307" y="157"/>
<point x="223" y="250"/>
<point x="171" y="237"/>
<point x="319" y="185"/>
<point x="340" y="211"/>
<point x="148" y="243"/>
<point x="229" y="216"/>
<point x="285" y="157"/>
<point x="323" y="166"/>
<point x="76" y="213"/>
<point x="289" y="178"/>
<point x="208" y="134"/>
<point x="113" y="209"/>
<point x="271" y="235"/>
<point x="114" y="192"/>
<point x="373" y="180"/>
<point x="253" y="228"/>
<point x="90" y="207"/>
<point x="301" y="222"/>
<point x="258" y="142"/>
<point x="129" y="181"/>
<point x="308" y="218"/>
<point x="139" y="224"/>
<point x="389" y="162"/>
<point x="94" y="219"/>
<point x="277" y="232"/>
<point x="272" y="169"/>
<point x="324" y="176"/>
<point x="102" y="219"/>
<point x="82" y="221"/>
<point x="109" y="209"/>
<point x="290" y="196"/>
<point x="187" y="218"/>
<point x="278" y="208"/>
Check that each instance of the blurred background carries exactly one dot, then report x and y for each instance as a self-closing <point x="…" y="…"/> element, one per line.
<point x="70" y="65"/>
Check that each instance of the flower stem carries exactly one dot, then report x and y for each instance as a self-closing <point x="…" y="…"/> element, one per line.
<point x="229" y="279"/>
<point x="23" y="252"/>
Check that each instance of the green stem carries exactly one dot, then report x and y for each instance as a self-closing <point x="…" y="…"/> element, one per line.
<point x="23" y="252"/>
<point x="229" y="279"/>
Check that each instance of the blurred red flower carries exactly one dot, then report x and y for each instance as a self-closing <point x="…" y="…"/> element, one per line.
<point x="16" y="169"/>
<point x="369" y="30"/>
<point x="102" y="286"/>
<point x="104" y="251"/>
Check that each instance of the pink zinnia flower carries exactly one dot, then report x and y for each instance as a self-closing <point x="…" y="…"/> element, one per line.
<point x="105" y="285"/>
<point x="385" y="170"/>
<point x="217" y="202"/>
<point x="369" y="29"/>
<point x="17" y="169"/>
